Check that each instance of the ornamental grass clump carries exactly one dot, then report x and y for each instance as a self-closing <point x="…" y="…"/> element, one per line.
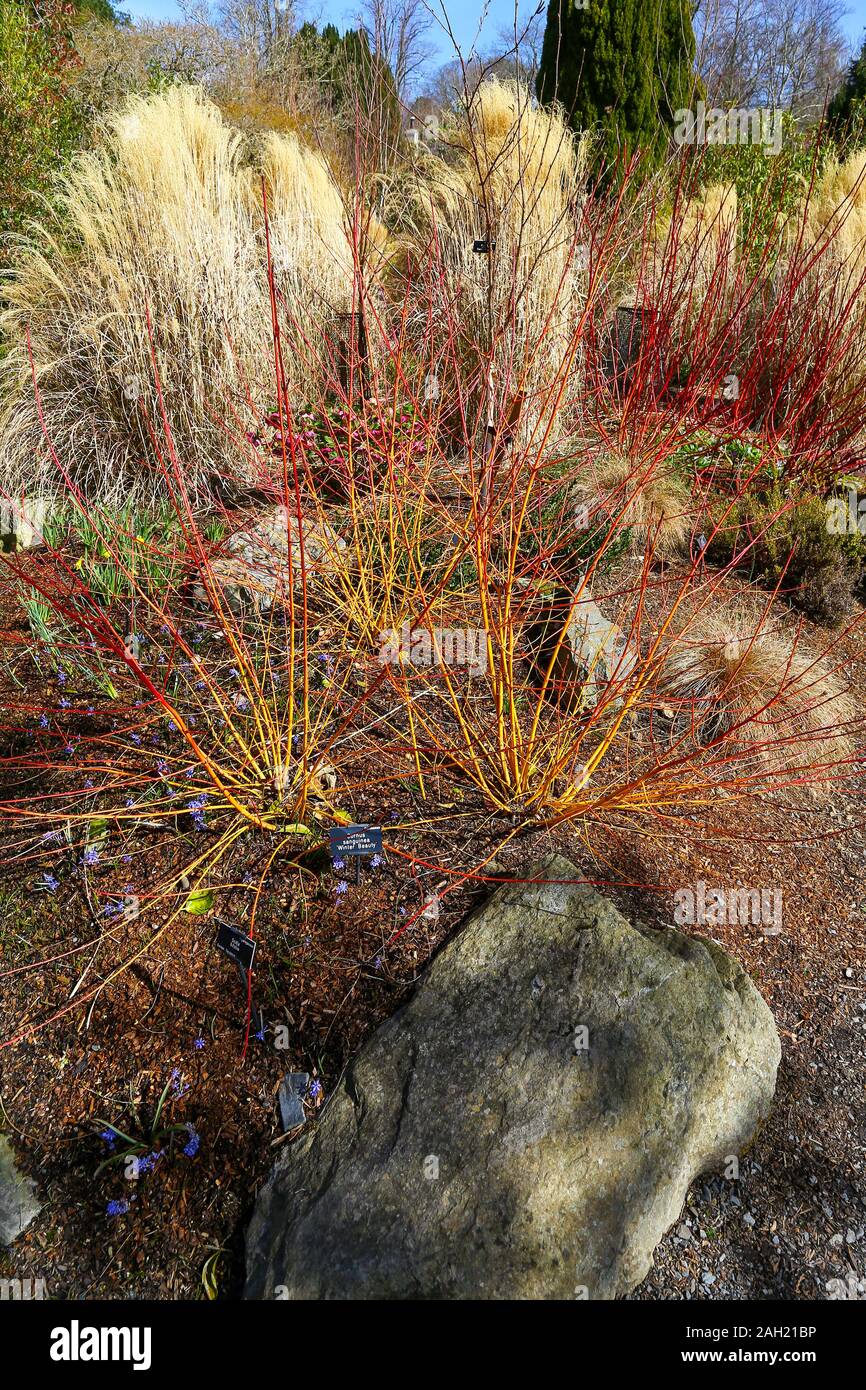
<point x="156" y="267"/>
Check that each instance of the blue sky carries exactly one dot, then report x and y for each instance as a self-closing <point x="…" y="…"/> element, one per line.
<point x="463" y="16"/>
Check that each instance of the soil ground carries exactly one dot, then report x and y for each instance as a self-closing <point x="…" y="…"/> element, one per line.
<point x="789" y="1226"/>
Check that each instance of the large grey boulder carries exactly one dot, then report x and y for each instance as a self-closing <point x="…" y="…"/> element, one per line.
<point x="18" y="1203"/>
<point x="528" y="1124"/>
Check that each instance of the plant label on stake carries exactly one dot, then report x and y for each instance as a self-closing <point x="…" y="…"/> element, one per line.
<point x="354" y="841"/>
<point x="482" y="247"/>
<point x="238" y="947"/>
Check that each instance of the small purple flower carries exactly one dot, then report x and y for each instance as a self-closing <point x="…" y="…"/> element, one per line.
<point x="109" y="1137"/>
<point x="341" y="888"/>
<point x="315" y="1090"/>
<point x="43" y="721"/>
<point x="339" y="863"/>
<point x="376" y="861"/>
<point x="191" y="1147"/>
<point x="90" y="857"/>
<point x="115" y="1208"/>
<point x="198" y="1044"/>
<point x="50" y="882"/>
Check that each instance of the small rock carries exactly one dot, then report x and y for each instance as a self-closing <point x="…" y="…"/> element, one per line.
<point x="18" y="1204"/>
<point x="293" y="1088"/>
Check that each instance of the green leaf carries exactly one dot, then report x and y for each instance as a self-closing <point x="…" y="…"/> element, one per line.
<point x="97" y="829"/>
<point x="199" y="901"/>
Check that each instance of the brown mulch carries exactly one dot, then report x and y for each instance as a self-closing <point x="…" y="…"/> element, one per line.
<point x="329" y="972"/>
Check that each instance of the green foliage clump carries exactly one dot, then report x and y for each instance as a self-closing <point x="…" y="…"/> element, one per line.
<point x="846" y="114"/>
<point x="621" y="67"/>
<point x="786" y="542"/>
<point x="770" y="187"/>
<point x="40" y="121"/>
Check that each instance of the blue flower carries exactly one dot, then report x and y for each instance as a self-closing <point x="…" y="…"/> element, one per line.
<point x="91" y="856"/>
<point x="43" y="721"/>
<point x="191" y="1147"/>
<point x="117" y="1208"/>
<point x="376" y="861"/>
<point x="339" y="863"/>
<point x="50" y="882"/>
<point x="198" y="1044"/>
<point x="109" y="1136"/>
<point x="341" y="888"/>
<point x="315" y="1090"/>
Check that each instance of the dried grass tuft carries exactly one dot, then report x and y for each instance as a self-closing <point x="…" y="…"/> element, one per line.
<point x="163" y="218"/>
<point x="733" y="678"/>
